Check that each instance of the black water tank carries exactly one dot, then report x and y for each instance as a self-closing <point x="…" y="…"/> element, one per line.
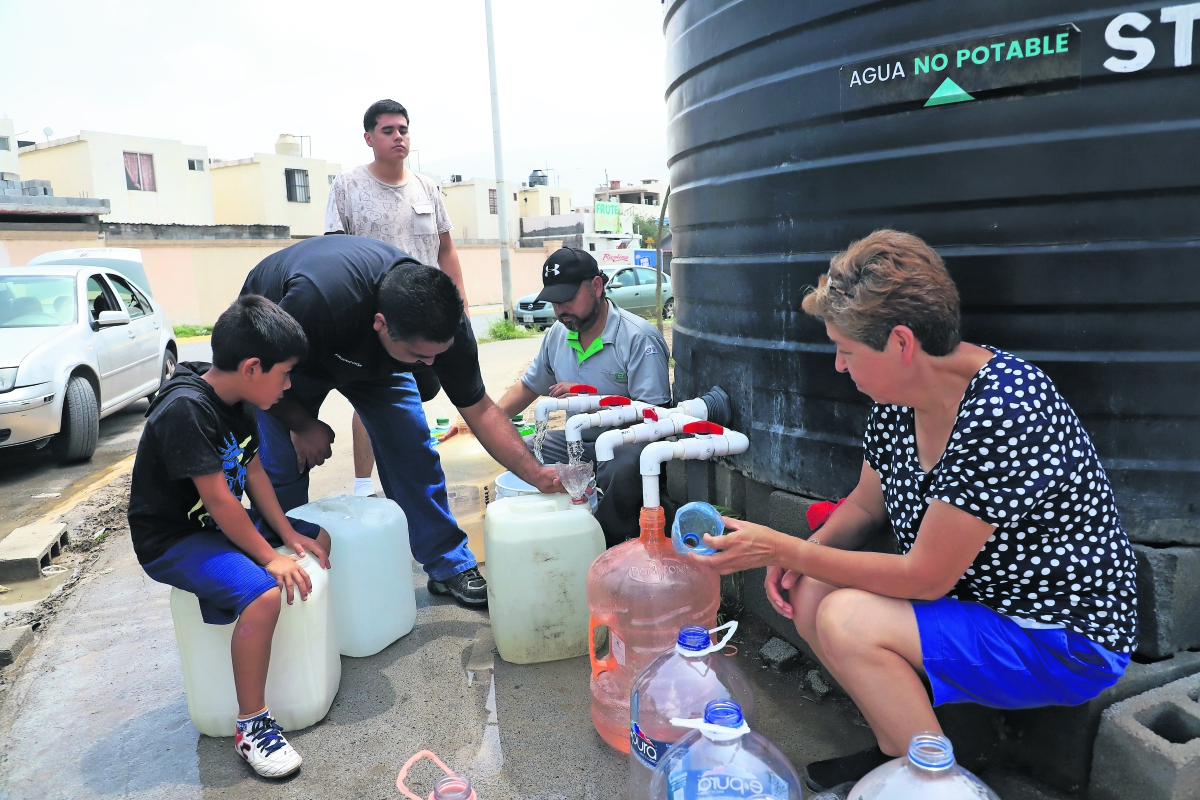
<point x="1050" y="151"/>
<point x="539" y="178"/>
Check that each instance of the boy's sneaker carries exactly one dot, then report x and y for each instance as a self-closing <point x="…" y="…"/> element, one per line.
<point x="468" y="588"/>
<point x="260" y="742"/>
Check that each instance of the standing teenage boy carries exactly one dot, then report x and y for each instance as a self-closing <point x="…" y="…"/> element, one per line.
<point x="198" y="452"/>
<point x="383" y="200"/>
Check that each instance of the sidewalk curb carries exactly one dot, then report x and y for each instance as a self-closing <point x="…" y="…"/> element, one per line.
<point x="108" y="476"/>
<point x="190" y="339"/>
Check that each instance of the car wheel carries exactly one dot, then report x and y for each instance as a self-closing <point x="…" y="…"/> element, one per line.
<point x="668" y="311"/>
<point x="168" y="369"/>
<point x="76" y="439"/>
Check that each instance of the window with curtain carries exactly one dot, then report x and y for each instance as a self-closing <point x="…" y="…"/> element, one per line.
<point x="555" y="208"/>
<point x="139" y="172"/>
<point x="297" y="185"/>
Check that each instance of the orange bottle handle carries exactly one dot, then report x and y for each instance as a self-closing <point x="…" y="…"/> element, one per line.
<point x="598" y="666"/>
<point x="408" y="765"/>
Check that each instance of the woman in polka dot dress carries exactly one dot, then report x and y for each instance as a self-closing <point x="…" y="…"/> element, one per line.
<point x="1014" y="582"/>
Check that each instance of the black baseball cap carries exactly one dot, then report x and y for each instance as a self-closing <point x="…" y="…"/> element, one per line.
<point x="564" y="271"/>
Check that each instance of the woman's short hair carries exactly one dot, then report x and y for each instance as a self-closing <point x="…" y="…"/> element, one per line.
<point x="888" y="279"/>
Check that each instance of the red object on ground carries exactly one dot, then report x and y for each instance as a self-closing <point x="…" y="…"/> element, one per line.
<point x="615" y="400"/>
<point x="703" y="427"/>
<point x="583" y="388"/>
<point x="818" y="513"/>
<point x="650" y="413"/>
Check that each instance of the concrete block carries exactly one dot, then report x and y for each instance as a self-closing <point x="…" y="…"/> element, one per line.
<point x="1168" y="588"/>
<point x="731" y="488"/>
<point x="788" y="513"/>
<point x="701" y="481"/>
<point x="26" y="550"/>
<point x="12" y="642"/>
<point x="779" y="655"/>
<point x="758" y="502"/>
<point x="1149" y="746"/>
<point x="677" y="481"/>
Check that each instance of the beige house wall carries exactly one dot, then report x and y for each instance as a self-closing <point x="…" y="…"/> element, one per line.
<point x="481" y="270"/>
<point x="534" y="201"/>
<point x="68" y="167"/>
<point x="467" y="205"/>
<point x="8" y="158"/>
<point x="254" y="192"/>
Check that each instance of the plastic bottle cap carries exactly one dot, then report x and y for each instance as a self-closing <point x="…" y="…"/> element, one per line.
<point x="725" y="713"/>
<point x="519" y="418"/>
<point x="615" y="400"/>
<point x="702" y="428"/>
<point x="583" y="388"/>
<point x="443" y="422"/>
<point x="694" y="637"/>
<point x="650" y="413"/>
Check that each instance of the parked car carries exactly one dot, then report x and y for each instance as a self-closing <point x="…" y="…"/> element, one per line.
<point x="631" y="288"/>
<point x="77" y="342"/>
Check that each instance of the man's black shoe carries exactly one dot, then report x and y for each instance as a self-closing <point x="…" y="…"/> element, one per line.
<point x="821" y="776"/>
<point x="468" y="587"/>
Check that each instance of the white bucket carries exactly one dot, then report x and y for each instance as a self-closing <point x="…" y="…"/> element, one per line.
<point x="509" y="485"/>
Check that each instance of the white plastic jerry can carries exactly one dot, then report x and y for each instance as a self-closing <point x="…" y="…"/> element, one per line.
<point x="371" y="577"/>
<point x="539" y="549"/>
<point x="305" y="667"/>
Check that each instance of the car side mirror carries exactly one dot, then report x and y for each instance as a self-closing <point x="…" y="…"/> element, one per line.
<point x="109" y="318"/>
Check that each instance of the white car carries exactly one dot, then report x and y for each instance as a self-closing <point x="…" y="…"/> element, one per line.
<point x="77" y="342"/>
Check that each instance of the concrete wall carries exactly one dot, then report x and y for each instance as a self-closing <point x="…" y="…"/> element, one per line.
<point x="534" y="201"/>
<point x="253" y="191"/>
<point x="93" y="165"/>
<point x="481" y="270"/>
<point x="467" y="205"/>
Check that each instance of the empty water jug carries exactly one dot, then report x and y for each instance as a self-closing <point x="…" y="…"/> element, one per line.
<point x="722" y="758"/>
<point x="928" y="772"/>
<point x="692" y="522"/>
<point x="470" y="474"/>
<point x="539" y="549"/>
<point x="680" y="683"/>
<point x="370" y="577"/>
<point x="642" y="594"/>
<point x="305" y="667"/>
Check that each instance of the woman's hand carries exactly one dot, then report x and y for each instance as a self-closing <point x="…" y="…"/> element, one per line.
<point x="745" y="545"/>
<point x="779" y="585"/>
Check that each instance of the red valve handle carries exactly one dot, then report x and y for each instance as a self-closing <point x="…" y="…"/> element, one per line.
<point x="583" y="388"/>
<point x="702" y="427"/>
<point x="650" y="413"/>
<point x="615" y="400"/>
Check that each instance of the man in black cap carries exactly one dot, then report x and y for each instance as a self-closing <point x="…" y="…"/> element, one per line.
<point x="596" y="343"/>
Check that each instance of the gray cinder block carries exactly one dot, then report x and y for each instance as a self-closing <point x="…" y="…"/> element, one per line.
<point x="12" y="642"/>
<point x="758" y="502"/>
<point x="1148" y="746"/>
<point x="701" y="481"/>
<point x="779" y="655"/>
<point x="1168" y="590"/>
<point x="677" y="480"/>
<point x="26" y="550"/>
<point x="731" y="488"/>
<point x="788" y="513"/>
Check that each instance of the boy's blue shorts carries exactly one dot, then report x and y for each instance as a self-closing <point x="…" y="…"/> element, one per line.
<point x="974" y="655"/>
<point x="223" y="578"/>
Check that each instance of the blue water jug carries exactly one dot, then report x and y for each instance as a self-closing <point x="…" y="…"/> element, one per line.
<point x="723" y="759"/>
<point x="692" y="521"/>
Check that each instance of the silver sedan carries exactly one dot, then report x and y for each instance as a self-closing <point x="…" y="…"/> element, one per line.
<point x="77" y="343"/>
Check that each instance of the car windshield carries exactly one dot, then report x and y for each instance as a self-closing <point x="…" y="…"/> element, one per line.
<point x="37" y="301"/>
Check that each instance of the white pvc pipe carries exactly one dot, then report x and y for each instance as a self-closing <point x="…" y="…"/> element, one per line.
<point x="703" y="446"/>
<point x="572" y="405"/>
<point x="692" y="410"/>
<point x="648" y="431"/>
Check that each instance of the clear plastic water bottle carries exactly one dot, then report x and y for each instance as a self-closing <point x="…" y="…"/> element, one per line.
<point x="722" y="759"/>
<point x="680" y="683"/>
<point x="928" y="772"/>
<point x="440" y="429"/>
<point x="692" y="521"/>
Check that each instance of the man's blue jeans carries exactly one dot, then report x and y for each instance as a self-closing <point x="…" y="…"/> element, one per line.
<point x="409" y="467"/>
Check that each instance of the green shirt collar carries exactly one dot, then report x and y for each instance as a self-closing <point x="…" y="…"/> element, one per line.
<point x="607" y="336"/>
<point x="583" y="355"/>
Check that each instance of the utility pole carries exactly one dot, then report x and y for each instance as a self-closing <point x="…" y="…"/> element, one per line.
<point x="501" y="190"/>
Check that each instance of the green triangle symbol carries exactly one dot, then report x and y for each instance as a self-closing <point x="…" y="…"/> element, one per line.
<point x="948" y="92"/>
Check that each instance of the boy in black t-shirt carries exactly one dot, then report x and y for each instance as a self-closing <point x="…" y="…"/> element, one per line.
<point x="197" y="455"/>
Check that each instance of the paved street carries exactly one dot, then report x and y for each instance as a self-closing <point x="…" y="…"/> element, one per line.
<point x="95" y="708"/>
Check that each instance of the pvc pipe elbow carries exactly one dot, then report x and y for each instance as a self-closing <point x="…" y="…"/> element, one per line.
<point x="738" y="442"/>
<point x="575" y="426"/>
<point x="544" y="407"/>
<point x="606" y="443"/>
<point x="656" y="453"/>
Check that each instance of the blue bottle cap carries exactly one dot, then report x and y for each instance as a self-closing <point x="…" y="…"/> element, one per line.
<point x="725" y="713"/>
<point x="694" y="637"/>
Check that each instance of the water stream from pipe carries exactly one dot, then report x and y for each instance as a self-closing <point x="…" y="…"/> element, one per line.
<point x="541" y="428"/>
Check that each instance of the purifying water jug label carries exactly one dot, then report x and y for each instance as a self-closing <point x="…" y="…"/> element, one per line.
<point x="618" y="648"/>
<point x="725" y="782"/>
<point x="657" y="571"/>
<point x="647" y="750"/>
<point x="464" y="499"/>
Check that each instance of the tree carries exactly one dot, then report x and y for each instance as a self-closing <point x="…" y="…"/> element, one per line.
<point x="647" y="228"/>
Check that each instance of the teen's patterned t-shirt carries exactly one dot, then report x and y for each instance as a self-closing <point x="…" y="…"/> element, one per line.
<point x="410" y="216"/>
<point x="1019" y="459"/>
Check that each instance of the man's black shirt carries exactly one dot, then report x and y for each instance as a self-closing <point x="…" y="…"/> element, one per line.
<point x="330" y="284"/>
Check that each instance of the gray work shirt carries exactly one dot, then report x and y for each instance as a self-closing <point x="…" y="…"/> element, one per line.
<point x="629" y="358"/>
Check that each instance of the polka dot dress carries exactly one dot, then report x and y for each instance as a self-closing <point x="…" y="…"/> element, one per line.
<point x="1019" y="459"/>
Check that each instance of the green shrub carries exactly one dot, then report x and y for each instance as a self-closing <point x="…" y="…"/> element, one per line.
<point x="502" y="329"/>
<point x="184" y="331"/>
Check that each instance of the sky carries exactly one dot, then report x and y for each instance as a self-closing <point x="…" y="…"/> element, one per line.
<point x="580" y="82"/>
